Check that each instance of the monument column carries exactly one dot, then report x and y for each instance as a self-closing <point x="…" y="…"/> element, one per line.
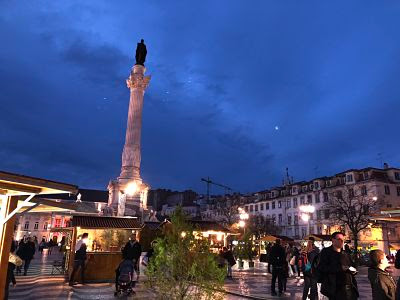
<point x="131" y="156"/>
<point x="128" y="194"/>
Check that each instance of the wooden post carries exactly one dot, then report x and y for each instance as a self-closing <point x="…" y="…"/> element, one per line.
<point x="8" y="204"/>
<point x="72" y="252"/>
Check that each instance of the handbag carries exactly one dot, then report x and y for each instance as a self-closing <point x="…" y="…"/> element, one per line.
<point x="15" y="259"/>
<point x="293" y="261"/>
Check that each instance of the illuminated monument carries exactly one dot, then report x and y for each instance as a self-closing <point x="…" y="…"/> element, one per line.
<point x="128" y="193"/>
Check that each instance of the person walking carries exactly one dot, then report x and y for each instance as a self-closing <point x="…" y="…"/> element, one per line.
<point x="133" y="251"/>
<point x="50" y="246"/>
<point x="80" y="258"/>
<point x="228" y="255"/>
<point x="382" y="284"/>
<point x="26" y="252"/>
<point x="296" y="256"/>
<point x="42" y="245"/>
<point x="310" y="282"/>
<point x="35" y="241"/>
<point x="337" y="271"/>
<point x="13" y="261"/>
<point x="277" y="259"/>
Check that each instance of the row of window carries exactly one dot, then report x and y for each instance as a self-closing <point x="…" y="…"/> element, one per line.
<point x="309" y="200"/>
<point x="349" y="178"/>
<point x="321" y="214"/>
<point x="36" y="226"/>
<point x="46" y="224"/>
<point x="303" y="200"/>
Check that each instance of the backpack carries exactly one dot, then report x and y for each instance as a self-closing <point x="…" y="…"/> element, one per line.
<point x="315" y="273"/>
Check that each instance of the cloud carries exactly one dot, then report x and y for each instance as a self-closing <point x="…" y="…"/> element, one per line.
<point x="224" y="75"/>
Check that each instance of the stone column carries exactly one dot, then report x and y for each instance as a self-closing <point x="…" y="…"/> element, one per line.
<point x="128" y="194"/>
<point x="131" y="155"/>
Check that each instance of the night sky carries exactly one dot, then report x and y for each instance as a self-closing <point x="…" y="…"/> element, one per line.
<point x="239" y="92"/>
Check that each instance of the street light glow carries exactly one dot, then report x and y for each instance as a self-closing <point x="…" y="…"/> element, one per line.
<point x="244" y="216"/>
<point x="307" y="209"/>
<point x="305" y="217"/>
<point x="242" y="223"/>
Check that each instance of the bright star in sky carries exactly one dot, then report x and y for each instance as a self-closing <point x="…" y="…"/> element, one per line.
<point x="277" y="127"/>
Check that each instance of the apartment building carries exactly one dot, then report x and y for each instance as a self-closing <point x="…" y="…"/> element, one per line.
<point x="282" y="204"/>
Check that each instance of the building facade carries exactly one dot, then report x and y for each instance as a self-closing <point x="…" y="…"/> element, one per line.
<point x="283" y="205"/>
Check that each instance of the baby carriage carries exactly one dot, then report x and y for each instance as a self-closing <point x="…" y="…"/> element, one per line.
<point x="125" y="274"/>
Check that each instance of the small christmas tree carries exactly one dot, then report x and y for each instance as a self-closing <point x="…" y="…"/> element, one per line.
<point x="182" y="266"/>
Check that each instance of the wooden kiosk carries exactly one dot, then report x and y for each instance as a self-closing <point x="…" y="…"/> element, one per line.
<point x="107" y="235"/>
<point x="16" y="191"/>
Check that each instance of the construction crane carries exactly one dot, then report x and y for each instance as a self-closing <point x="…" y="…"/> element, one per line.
<point x="209" y="182"/>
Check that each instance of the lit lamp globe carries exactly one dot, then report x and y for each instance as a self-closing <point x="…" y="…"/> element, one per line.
<point x="305" y="217"/>
<point x="307" y="208"/>
<point x="244" y="216"/>
<point x="242" y="223"/>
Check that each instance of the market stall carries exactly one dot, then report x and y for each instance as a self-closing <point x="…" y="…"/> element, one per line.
<point x="320" y="240"/>
<point x="107" y="235"/>
<point x="270" y="239"/>
<point x="214" y="232"/>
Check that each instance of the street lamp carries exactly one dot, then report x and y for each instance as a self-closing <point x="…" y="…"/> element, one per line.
<point x="307" y="211"/>
<point x="243" y="216"/>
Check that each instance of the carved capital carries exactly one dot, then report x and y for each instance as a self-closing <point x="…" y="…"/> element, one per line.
<point x="138" y="81"/>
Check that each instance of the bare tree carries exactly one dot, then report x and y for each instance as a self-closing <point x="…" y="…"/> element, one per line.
<point x="260" y="225"/>
<point x="227" y="208"/>
<point x="352" y="208"/>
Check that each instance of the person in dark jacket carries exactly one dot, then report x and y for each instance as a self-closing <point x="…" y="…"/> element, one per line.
<point x="10" y="273"/>
<point x="310" y="282"/>
<point x="228" y="255"/>
<point x="26" y="251"/>
<point x="20" y="247"/>
<point x="337" y="271"/>
<point x="277" y="259"/>
<point x="132" y="251"/>
<point x="80" y="258"/>
<point x="382" y="284"/>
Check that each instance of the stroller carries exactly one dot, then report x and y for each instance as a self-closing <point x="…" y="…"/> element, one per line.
<point x="124" y="275"/>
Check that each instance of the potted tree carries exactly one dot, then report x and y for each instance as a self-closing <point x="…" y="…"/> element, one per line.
<point x="240" y="254"/>
<point x="244" y="250"/>
<point x="249" y="253"/>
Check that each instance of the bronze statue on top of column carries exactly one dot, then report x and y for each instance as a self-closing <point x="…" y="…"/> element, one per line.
<point x="141" y="53"/>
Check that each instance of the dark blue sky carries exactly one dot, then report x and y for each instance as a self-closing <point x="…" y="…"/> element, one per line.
<point x="239" y="92"/>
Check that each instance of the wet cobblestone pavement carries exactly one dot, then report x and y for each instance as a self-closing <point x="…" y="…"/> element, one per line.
<point x="247" y="283"/>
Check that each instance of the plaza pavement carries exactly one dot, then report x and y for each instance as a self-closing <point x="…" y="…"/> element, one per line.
<point x="246" y="284"/>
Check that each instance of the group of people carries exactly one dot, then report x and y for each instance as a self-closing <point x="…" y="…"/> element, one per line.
<point x="333" y="268"/>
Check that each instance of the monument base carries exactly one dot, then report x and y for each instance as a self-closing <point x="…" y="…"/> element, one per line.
<point x="128" y="196"/>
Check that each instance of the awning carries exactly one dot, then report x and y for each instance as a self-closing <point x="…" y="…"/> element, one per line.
<point x="61" y="229"/>
<point x="92" y="222"/>
<point x="319" y="237"/>
<point x="14" y="184"/>
<point x="273" y="238"/>
<point x="209" y="226"/>
<point x="395" y="246"/>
